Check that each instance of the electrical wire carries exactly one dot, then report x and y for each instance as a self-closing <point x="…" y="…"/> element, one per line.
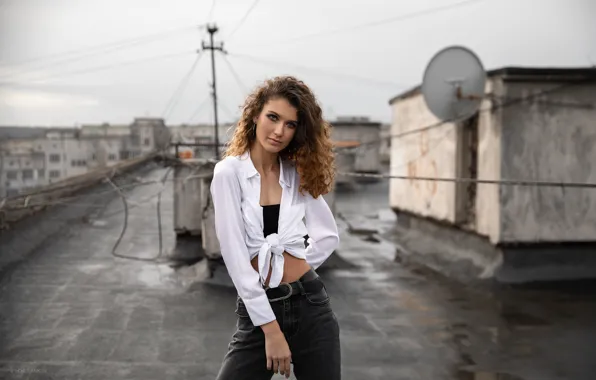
<point x="105" y="67"/>
<point x="243" y="88"/>
<point x="177" y="95"/>
<point x="210" y="14"/>
<point x="226" y="109"/>
<point x="371" y="24"/>
<point x="195" y="113"/>
<point x="508" y="182"/>
<point x="80" y="54"/>
<point x="319" y="71"/>
<point x="126" y="216"/>
<point x="254" y="4"/>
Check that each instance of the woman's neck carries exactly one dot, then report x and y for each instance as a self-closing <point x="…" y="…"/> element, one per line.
<point x="264" y="161"/>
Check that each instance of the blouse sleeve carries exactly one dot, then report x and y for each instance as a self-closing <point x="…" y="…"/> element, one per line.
<point x="229" y="227"/>
<point x="323" y="237"/>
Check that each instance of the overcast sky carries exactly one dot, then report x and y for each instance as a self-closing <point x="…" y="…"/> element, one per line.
<point x="131" y="55"/>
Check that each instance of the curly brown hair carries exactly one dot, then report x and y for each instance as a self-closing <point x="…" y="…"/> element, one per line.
<point x="311" y="149"/>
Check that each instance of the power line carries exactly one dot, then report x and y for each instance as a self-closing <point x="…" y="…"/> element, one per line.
<point x="210" y="14"/>
<point x="254" y="4"/>
<point x="175" y="98"/>
<point x="371" y="24"/>
<point x="96" y="50"/>
<point x="227" y="110"/>
<point x="125" y="201"/>
<point x="198" y="109"/>
<point x="508" y="182"/>
<point x="104" y="67"/>
<point x="320" y="71"/>
<point x="243" y="88"/>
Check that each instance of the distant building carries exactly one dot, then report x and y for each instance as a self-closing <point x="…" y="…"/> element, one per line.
<point x="548" y="137"/>
<point x="357" y="142"/>
<point x="31" y="157"/>
<point x="201" y="134"/>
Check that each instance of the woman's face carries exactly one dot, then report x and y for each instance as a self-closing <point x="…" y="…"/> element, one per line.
<point x="276" y="125"/>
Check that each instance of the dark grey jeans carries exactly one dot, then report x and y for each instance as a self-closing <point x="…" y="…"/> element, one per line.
<point x="311" y="330"/>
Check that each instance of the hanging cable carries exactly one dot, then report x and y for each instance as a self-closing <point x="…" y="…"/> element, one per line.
<point x="105" y="67"/>
<point x="126" y="215"/>
<point x="320" y="71"/>
<point x="254" y="4"/>
<point x="372" y="24"/>
<point x="241" y="86"/>
<point x="210" y="14"/>
<point x="508" y="182"/>
<point x="77" y="55"/>
<point x="198" y="109"/>
<point x="226" y="109"/>
<point x="177" y="95"/>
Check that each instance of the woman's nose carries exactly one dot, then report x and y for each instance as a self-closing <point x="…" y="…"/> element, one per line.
<point x="279" y="129"/>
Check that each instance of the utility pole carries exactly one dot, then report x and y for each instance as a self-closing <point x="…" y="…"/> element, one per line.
<point x="212" y="29"/>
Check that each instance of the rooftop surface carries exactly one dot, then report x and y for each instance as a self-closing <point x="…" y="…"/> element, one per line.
<point x="70" y="309"/>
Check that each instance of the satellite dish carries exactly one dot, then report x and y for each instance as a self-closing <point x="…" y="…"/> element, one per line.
<point x="453" y="84"/>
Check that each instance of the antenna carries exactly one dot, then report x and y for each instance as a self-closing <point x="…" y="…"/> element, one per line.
<point x="453" y="83"/>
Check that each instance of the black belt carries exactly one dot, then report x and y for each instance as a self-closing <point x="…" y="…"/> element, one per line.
<point x="308" y="283"/>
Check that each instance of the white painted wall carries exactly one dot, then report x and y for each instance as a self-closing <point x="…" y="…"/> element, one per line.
<point x="424" y="154"/>
<point x="20" y="170"/>
<point x="79" y="154"/>
<point x="487" y="218"/>
<point x="545" y="139"/>
<point x="54" y="146"/>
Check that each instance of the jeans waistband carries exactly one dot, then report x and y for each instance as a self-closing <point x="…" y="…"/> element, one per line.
<point x="306" y="284"/>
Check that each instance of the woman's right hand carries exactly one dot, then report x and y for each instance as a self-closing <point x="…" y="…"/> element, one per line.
<point x="277" y="350"/>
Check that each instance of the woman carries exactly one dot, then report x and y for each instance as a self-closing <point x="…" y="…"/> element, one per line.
<point x="267" y="194"/>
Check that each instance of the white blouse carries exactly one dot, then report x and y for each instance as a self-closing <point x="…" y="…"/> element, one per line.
<point x="236" y="192"/>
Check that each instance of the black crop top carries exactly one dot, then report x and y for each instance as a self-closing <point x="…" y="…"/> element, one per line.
<point x="270" y="219"/>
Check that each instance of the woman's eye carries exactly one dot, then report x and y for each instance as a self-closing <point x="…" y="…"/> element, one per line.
<point x="291" y="125"/>
<point x="272" y="117"/>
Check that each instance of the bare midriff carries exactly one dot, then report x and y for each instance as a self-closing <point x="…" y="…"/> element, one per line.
<point x="294" y="268"/>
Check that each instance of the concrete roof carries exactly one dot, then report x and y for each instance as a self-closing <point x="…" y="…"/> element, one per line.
<point x="69" y="309"/>
<point x="532" y="74"/>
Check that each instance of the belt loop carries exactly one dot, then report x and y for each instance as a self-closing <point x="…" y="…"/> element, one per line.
<point x="302" y="291"/>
